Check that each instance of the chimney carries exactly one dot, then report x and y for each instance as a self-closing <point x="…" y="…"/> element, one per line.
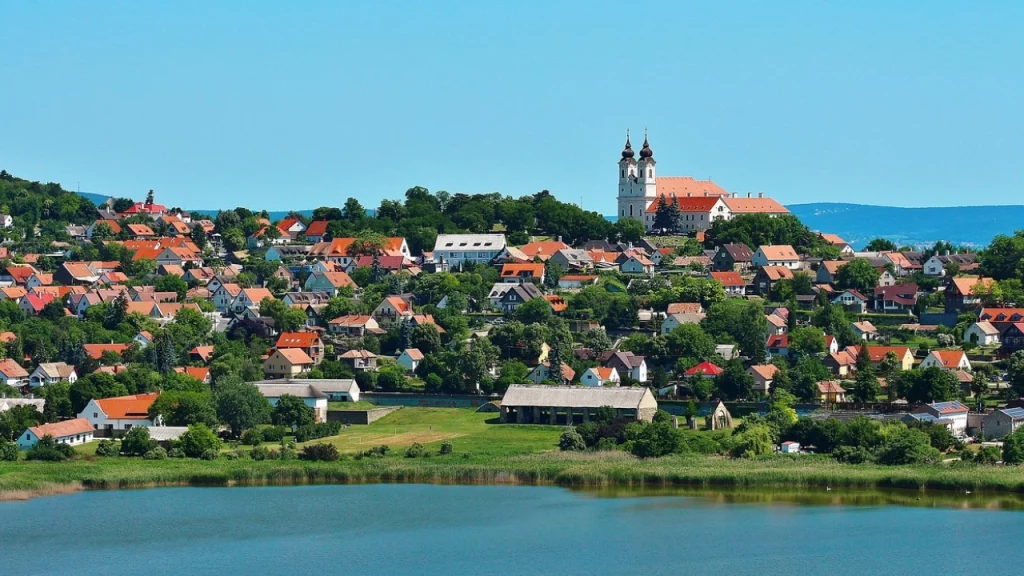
<point x="760" y="194"/>
<point x="748" y="194"/>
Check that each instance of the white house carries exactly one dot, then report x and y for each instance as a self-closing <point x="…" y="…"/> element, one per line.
<point x="310" y="395"/>
<point x="776" y="255"/>
<point x="948" y="359"/>
<point x="72" y="432"/>
<point x="51" y="373"/>
<point x="1002" y="422"/>
<point x="600" y="376"/>
<point x="637" y="264"/>
<point x="121" y="413"/>
<point x="454" y="250"/>
<point x="673" y="321"/>
<point x="790" y="447"/>
<point x="410" y="358"/>
<point x="952" y="414"/>
<point x="982" y="333"/>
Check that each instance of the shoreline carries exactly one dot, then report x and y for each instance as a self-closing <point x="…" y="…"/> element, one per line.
<point x="599" y="472"/>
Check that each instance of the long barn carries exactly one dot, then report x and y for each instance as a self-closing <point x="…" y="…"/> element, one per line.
<point x="574" y="404"/>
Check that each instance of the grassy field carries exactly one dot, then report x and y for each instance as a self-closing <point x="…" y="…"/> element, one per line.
<point x="351" y="406"/>
<point x="488" y="452"/>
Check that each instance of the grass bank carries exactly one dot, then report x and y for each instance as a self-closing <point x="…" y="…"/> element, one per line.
<point x="486" y="452"/>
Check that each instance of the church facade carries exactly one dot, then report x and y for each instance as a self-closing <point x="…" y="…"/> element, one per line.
<point x="700" y="202"/>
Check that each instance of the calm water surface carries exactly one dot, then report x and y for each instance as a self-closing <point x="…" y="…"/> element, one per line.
<point x="445" y="530"/>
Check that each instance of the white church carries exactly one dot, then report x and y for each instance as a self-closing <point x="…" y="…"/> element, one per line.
<point x="700" y="202"/>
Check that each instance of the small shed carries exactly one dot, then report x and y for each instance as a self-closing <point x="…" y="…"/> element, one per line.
<point x="569" y="404"/>
<point x="790" y="447"/>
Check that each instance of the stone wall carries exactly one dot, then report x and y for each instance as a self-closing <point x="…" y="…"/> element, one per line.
<point x="360" y="417"/>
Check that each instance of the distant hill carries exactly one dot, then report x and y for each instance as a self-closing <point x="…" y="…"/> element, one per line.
<point x="96" y="199"/>
<point x="858" y="224"/>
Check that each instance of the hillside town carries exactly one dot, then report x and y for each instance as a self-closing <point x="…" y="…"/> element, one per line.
<point x="707" y="306"/>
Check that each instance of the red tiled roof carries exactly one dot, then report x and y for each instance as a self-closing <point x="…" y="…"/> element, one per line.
<point x="297" y="340"/>
<point x="134" y="407"/>
<point x="316" y="228"/>
<point x="705" y="368"/>
<point x="728" y="279"/>
<point x="95" y="351"/>
<point x="62" y="429"/>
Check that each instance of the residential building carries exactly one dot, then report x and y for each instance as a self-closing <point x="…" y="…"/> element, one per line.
<point x="937" y="264"/>
<point x="732" y="257"/>
<point x="675" y="320"/>
<point x="250" y="298"/>
<point x="308" y="342"/>
<point x="360" y="360"/>
<point x="541" y="372"/>
<point x="514" y="273"/>
<point x="864" y="330"/>
<point x="764" y="375"/>
<point x="830" y="392"/>
<point x="455" y="250"/>
<point x="703" y="370"/>
<point x="410" y="359"/>
<point x="628" y="364"/>
<point x="573" y="259"/>
<point x="827" y="270"/>
<point x="518" y="294"/>
<point x="1002" y="422"/>
<point x="903" y="355"/>
<point x="573" y="281"/>
<point x="778" y="255"/>
<point x="954" y="412"/>
<point x="964" y="293"/>
<point x="52" y="372"/>
<point x="600" y="376"/>
<point x="900" y="298"/>
<point x="287" y="363"/>
<point x="12" y="374"/>
<point x="731" y="281"/>
<point x="948" y="359"/>
<point x="354" y="325"/>
<point x="636" y="264"/>
<point x="767" y="276"/>
<point x="982" y="333"/>
<point x="71" y="432"/>
<point x="120" y="413"/>
<point x="393" y="309"/>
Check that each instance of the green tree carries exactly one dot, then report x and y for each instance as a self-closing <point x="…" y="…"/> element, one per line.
<point x="734" y="382"/>
<point x="666" y="216"/>
<point x="137" y="442"/>
<point x="425" y="338"/>
<point x="1015" y="372"/>
<point x="184" y="408"/>
<point x="292" y="411"/>
<point x="859" y="275"/>
<point x="198" y="440"/>
<point x="866" y="387"/>
<point x="654" y="440"/>
<point x="741" y="321"/>
<point x="881" y="245"/>
<point x="536" y="311"/>
<point x="629" y="230"/>
<point x="1013" y="447"/>
<point x="240" y="405"/>
<point x="806" y="340"/>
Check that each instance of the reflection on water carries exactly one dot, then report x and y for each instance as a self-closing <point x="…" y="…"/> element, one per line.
<point x="821" y="496"/>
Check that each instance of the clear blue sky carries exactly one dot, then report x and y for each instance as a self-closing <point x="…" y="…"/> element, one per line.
<point x="302" y="104"/>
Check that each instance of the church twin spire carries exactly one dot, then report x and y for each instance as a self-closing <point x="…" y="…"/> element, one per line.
<point x="645" y="152"/>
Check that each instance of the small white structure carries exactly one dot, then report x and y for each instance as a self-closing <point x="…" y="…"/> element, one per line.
<point x="72" y="432"/>
<point x="410" y="358"/>
<point x="948" y="359"/>
<point x="982" y="333"/>
<point x="790" y="447"/>
<point x="600" y="376"/>
<point x="952" y="414"/>
<point x="776" y="255"/>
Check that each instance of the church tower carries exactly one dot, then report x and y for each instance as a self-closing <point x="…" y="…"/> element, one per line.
<point x="646" y="174"/>
<point x="629" y="191"/>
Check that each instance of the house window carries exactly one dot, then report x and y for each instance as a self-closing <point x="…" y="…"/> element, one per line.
<point x="650" y="172"/>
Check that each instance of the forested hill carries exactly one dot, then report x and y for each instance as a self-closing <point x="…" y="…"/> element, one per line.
<point x="858" y="224"/>
<point x="33" y="203"/>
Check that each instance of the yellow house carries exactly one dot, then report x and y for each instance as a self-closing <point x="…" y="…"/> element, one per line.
<point x="903" y="354"/>
<point x="287" y="363"/>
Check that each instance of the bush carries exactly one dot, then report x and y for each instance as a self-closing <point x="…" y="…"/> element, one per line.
<point x="654" y="440"/>
<point x="259" y="453"/>
<point x="108" y="449"/>
<point x="252" y="437"/>
<point x="273" y="433"/>
<point x="988" y="455"/>
<point x="1013" y="447"/>
<point x="320" y="452"/>
<point x="415" y="451"/>
<point x="8" y="451"/>
<point x="49" y="450"/>
<point x="316" y="431"/>
<point x="209" y="455"/>
<point x="157" y="453"/>
<point x="571" y="441"/>
<point x="198" y="440"/>
<point x="606" y="444"/>
<point x="446" y="447"/>
<point x="853" y="455"/>
<point x="754" y="441"/>
<point x="288" y="454"/>
<point x="175" y="453"/>
<point x="137" y="442"/>
<point x="231" y="456"/>
<point x="907" y="446"/>
<point x="376" y="451"/>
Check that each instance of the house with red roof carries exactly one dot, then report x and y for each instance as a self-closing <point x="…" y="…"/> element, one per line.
<point x="95" y="351"/>
<point x="354" y="325"/>
<point x="147" y="208"/>
<point x="946" y="359"/>
<point x="899" y="298"/>
<point x="201" y="373"/>
<point x="731" y="281"/>
<point x="287" y="363"/>
<point x="600" y="376"/>
<point x="776" y="255"/>
<point x="703" y="370"/>
<point x="291" y="227"/>
<point x="778" y="345"/>
<point x="393" y="308"/>
<point x="514" y="273"/>
<point x="32" y="304"/>
<point x="12" y="374"/>
<point x="308" y="342"/>
<point x="316" y="231"/>
<point x="120" y="413"/>
<point x="70" y="432"/>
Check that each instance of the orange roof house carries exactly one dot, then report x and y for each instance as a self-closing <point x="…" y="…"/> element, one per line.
<point x="542" y="250"/>
<point x="522" y="271"/>
<point x="728" y="279"/>
<point x="95" y="351"/>
<point x="135" y="407"/>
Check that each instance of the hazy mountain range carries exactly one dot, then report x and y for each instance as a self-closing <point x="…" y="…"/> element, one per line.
<point x="858" y="223"/>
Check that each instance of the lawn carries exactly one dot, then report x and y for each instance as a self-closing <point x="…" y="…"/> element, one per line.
<point x="351" y="406"/>
<point x="469" y="431"/>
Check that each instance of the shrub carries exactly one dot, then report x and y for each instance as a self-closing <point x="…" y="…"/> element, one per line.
<point x="320" y="452"/>
<point x="157" y="453"/>
<point x="316" y="431"/>
<point x="655" y="440"/>
<point x="49" y="450"/>
<point x="571" y="441"/>
<point x="259" y="453"/>
<point x="231" y="456"/>
<point x="108" y="449"/>
<point x="175" y="452"/>
<point x="8" y="451"/>
<point x="466" y="455"/>
<point x="754" y="441"/>
<point x="853" y="455"/>
<point x="252" y="437"/>
<point x="1013" y="447"/>
<point x="273" y="433"/>
<point x="988" y="455"/>
<point x="137" y="442"/>
<point x="907" y="446"/>
<point x="209" y="455"/>
<point x="446" y="447"/>
<point x="376" y="451"/>
<point x="606" y="444"/>
<point x="288" y="454"/>
<point x="414" y="451"/>
<point x="198" y="440"/>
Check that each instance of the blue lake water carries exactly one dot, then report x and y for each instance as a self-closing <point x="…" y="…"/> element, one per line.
<point x="445" y="530"/>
